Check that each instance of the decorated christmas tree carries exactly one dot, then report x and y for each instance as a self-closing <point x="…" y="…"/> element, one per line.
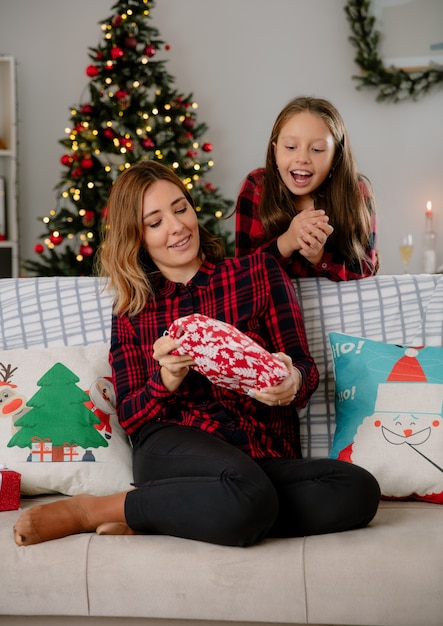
<point x="132" y="112"/>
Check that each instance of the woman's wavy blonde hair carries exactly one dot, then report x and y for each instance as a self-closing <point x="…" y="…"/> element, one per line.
<point x="123" y="258"/>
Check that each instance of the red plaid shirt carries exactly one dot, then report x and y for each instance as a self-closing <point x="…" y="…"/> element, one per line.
<point x="249" y="238"/>
<point x="256" y="296"/>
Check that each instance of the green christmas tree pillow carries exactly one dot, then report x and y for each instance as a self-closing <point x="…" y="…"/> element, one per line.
<point x="58" y="426"/>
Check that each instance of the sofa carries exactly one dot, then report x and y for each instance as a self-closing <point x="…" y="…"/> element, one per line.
<point x="387" y="574"/>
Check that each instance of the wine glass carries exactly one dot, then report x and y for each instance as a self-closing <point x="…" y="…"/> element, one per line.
<point x="406" y="249"/>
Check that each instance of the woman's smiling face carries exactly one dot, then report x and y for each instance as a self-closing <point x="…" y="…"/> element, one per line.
<point x="171" y="233"/>
<point x="304" y="153"/>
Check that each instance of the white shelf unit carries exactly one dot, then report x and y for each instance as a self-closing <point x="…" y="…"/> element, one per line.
<point x="9" y="248"/>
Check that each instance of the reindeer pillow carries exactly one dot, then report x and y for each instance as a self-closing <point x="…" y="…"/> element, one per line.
<point x="388" y="404"/>
<point x="58" y="426"/>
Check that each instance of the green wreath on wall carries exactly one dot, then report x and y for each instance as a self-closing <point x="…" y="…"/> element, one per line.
<point x="393" y="83"/>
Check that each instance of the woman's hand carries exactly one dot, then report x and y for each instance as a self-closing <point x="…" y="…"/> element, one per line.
<point x="284" y="393"/>
<point x="307" y="233"/>
<point x="173" y="369"/>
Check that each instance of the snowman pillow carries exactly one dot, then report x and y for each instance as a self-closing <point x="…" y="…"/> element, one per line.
<point x="389" y="420"/>
<point x="225" y="355"/>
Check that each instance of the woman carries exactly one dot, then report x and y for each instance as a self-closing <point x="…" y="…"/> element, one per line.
<point x="209" y="463"/>
<point x="308" y="206"/>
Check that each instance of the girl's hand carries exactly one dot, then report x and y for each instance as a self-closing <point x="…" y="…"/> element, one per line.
<point x="301" y="229"/>
<point x="284" y="393"/>
<point x="312" y="239"/>
<point x="173" y="369"/>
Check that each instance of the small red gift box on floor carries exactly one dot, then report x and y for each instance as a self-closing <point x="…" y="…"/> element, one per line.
<point x="9" y="489"/>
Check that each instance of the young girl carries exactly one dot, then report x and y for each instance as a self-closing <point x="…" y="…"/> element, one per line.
<point x="309" y="207"/>
<point x="209" y="463"/>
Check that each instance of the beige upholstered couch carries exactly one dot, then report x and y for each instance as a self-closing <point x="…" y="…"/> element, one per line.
<point x="388" y="574"/>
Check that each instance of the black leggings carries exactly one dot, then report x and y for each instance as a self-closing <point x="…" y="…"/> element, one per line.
<point x="193" y="485"/>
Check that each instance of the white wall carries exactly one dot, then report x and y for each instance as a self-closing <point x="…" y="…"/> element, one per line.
<point x="242" y="60"/>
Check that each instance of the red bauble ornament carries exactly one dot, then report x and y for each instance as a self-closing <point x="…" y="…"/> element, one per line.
<point x="92" y="70"/>
<point x="150" y="50"/>
<point x="55" y="239"/>
<point x="104" y="213"/>
<point x="116" y="53"/>
<point x="108" y="133"/>
<point x="77" y="172"/>
<point x="117" y="19"/>
<point x="86" y="250"/>
<point x="38" y="248"/>
<point x="123" y="99"/>
<point x="66" y="159"/>
<point x="87" y="109"/>
<point x="209" y="187"/>
<point x="126" y="143"/>
<point x="207" y="147"/>
<point x="87" y="163"/>
<point x="130" y="43"/>
<point x="148" y="144"/>
<point x="88" y="218"/>
<point x="189" y="122"/>
<point x="167" y="47"/>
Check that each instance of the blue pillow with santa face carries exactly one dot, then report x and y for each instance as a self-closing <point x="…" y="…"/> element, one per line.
<point x="389" y="414"/>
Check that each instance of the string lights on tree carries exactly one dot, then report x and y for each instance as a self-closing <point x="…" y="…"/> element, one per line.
<point x="133" y="112"/>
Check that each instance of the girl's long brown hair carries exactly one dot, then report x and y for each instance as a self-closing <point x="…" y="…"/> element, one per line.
<point x="123" y="258"/>
<point x="340" y="196"/>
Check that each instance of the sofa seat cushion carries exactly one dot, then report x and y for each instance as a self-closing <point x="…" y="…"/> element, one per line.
<point x="48" y="578"/>
<point x="386" y="574"/>
<point x="376" y="575"/>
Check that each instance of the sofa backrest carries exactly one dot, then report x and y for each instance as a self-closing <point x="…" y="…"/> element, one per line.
<point x="402" y="309"/>
<point x="405" y="309"/>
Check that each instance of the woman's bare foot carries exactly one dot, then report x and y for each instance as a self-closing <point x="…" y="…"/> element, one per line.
<point x="52" y="521"/>
<point x="78" y="514"/>
<point x="114" y="528"/>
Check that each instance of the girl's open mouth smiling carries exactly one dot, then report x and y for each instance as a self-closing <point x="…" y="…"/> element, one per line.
<point x="301" y="177"/>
